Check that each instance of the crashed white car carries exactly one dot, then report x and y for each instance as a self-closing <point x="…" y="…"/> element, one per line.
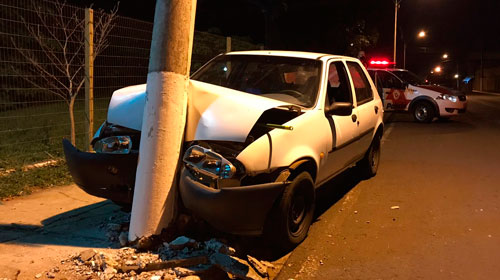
<point x="264" y="129"/>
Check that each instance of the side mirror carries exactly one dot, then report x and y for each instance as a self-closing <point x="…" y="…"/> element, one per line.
<point x="340" y="109"/>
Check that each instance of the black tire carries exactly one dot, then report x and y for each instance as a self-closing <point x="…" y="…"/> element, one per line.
<point x="423" y="112"/>
<point x="292" y="215"/>
<point x="368" y="166"/>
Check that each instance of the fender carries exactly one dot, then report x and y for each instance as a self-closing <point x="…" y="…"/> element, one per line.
<point x="424" y="98"/>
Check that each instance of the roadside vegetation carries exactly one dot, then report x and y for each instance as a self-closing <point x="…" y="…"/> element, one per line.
<point x="33" y="135"/>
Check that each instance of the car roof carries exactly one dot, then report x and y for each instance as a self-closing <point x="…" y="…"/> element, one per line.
<point x="309" y="55"/>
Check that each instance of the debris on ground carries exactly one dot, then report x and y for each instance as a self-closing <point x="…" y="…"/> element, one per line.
<point x="182" y="258"/>
<point x="394" y="207"/>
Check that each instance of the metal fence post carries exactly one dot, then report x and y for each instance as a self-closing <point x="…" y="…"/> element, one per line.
<point x="228" y="44"/>
<point x="89" y="77"/>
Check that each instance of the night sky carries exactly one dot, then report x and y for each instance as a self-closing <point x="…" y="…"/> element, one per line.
<point x="457" y="27"/>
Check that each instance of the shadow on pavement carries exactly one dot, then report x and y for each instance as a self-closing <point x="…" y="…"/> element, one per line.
<point x="81" y="227"/>
<point x="334" y="190"/>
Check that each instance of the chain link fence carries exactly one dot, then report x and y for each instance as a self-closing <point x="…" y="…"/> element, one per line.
<point x="34" y="39"/>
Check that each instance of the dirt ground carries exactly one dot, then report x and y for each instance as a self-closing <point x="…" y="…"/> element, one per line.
<point x="40" y="230"/>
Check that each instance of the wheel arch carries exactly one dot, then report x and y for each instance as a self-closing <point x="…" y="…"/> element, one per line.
<point x="303" y="164"/>
<point x="379" y="131"/>
<point x="424" y="99"/>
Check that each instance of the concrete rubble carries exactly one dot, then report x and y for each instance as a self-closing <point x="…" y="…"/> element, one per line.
<point x="182" y="258"/>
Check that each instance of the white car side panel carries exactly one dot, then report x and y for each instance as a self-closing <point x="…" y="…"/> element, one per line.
<point x="309" y="137"/>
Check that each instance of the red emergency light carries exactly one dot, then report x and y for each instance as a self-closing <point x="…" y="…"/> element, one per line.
<point x="380" y="62"/>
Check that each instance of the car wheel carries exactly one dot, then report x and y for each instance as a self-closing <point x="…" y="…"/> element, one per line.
<point x="423" y="112"/>
<point x="292" y="215"/>
<point x="368" y="166"/>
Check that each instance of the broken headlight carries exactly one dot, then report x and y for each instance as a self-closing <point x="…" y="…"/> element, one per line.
<point x="114" y="145"/>
<point x="208" y="162"/>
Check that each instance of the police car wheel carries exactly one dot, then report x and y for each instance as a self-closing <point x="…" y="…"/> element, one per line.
<point x="423" y="112"/>
<point x="368" y="166"/>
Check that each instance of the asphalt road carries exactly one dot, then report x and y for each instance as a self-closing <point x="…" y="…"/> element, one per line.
<point x="445" y="179"/>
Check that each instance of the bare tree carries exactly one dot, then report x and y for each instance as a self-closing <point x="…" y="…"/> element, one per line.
<point x="58" y="65"/>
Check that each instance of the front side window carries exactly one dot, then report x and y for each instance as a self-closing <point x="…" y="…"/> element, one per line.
<point x="408" y="77"/>
<point x="338" y="87"/>
<point x="389" y="81"/>
<point x="361" y="85"/>
<point x="289" y="79"/>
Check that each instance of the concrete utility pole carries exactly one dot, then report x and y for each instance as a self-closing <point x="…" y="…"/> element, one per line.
<point x="155" y="195"/>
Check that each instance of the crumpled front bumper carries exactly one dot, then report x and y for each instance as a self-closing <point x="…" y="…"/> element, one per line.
<point x="110" y="176"/>
<point x="238" y="210"/>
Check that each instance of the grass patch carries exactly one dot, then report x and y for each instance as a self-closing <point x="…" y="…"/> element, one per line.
<point x="23" y="182"/>
<point x="34" y="134"/>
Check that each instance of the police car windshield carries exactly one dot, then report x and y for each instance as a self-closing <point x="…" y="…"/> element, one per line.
<point x="289" y="79"/>
<point x="408" y="77"/>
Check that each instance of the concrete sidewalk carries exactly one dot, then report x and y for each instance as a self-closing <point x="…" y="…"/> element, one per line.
<point x="39" y="230"/>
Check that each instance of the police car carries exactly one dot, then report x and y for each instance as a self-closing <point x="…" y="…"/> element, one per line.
<point x="403" y="91"/>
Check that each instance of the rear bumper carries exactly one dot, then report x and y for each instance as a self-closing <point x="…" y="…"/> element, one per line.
<point x="103" y="175"/>
<point x="238" y="210"/>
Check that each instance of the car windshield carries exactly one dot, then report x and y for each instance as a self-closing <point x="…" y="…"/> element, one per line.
<point x="289" y="79"/>
<point x="408" y="77"/>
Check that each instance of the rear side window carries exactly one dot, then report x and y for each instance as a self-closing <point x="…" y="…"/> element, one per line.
<point x="360" y="82"/>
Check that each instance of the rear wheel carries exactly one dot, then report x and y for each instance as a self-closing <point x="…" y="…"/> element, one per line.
<point x="292" y="215"/>
<point x="368" y="166"/>
<point x="423" y="112"/>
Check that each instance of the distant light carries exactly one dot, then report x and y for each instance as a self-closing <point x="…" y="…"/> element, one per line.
<point x="352" y="44"/>
<point x="421" y="34"/>
<point x="445" y="56"/>
<point x="225" y="68"/>
<point x="456" y="76"/>
<point x="432" y="72"/>
<point x="437" y="69"/>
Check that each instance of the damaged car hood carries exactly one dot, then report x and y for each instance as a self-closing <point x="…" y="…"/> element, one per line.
<point x="214" y="112"/>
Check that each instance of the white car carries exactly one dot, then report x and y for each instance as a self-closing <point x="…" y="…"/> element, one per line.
<point x="264" y="129"/>
<point x="403" y="91"/>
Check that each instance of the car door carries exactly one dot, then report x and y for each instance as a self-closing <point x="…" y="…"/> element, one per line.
<point x="394" y="91"/>
<point x="367" y="106"/>
<point x="342" y="150"/>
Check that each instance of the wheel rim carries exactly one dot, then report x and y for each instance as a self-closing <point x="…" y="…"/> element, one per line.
<point x="421" y="113"/>
<point x="297" y="213"/>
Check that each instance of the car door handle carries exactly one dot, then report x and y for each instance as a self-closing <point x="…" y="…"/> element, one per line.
<point x="354" y="118"/>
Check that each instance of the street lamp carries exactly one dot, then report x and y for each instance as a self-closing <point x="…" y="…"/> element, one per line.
<point x="456" y="76"/>
<point x="437" y="69"/>
<point x="404" y="47"/>
<point x="445" y="56"/>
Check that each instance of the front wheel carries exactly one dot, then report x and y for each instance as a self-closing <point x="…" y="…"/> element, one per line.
<point x="368" y="166"/>
<point x="423" y="112"/>
<point x="291" y="217"/>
